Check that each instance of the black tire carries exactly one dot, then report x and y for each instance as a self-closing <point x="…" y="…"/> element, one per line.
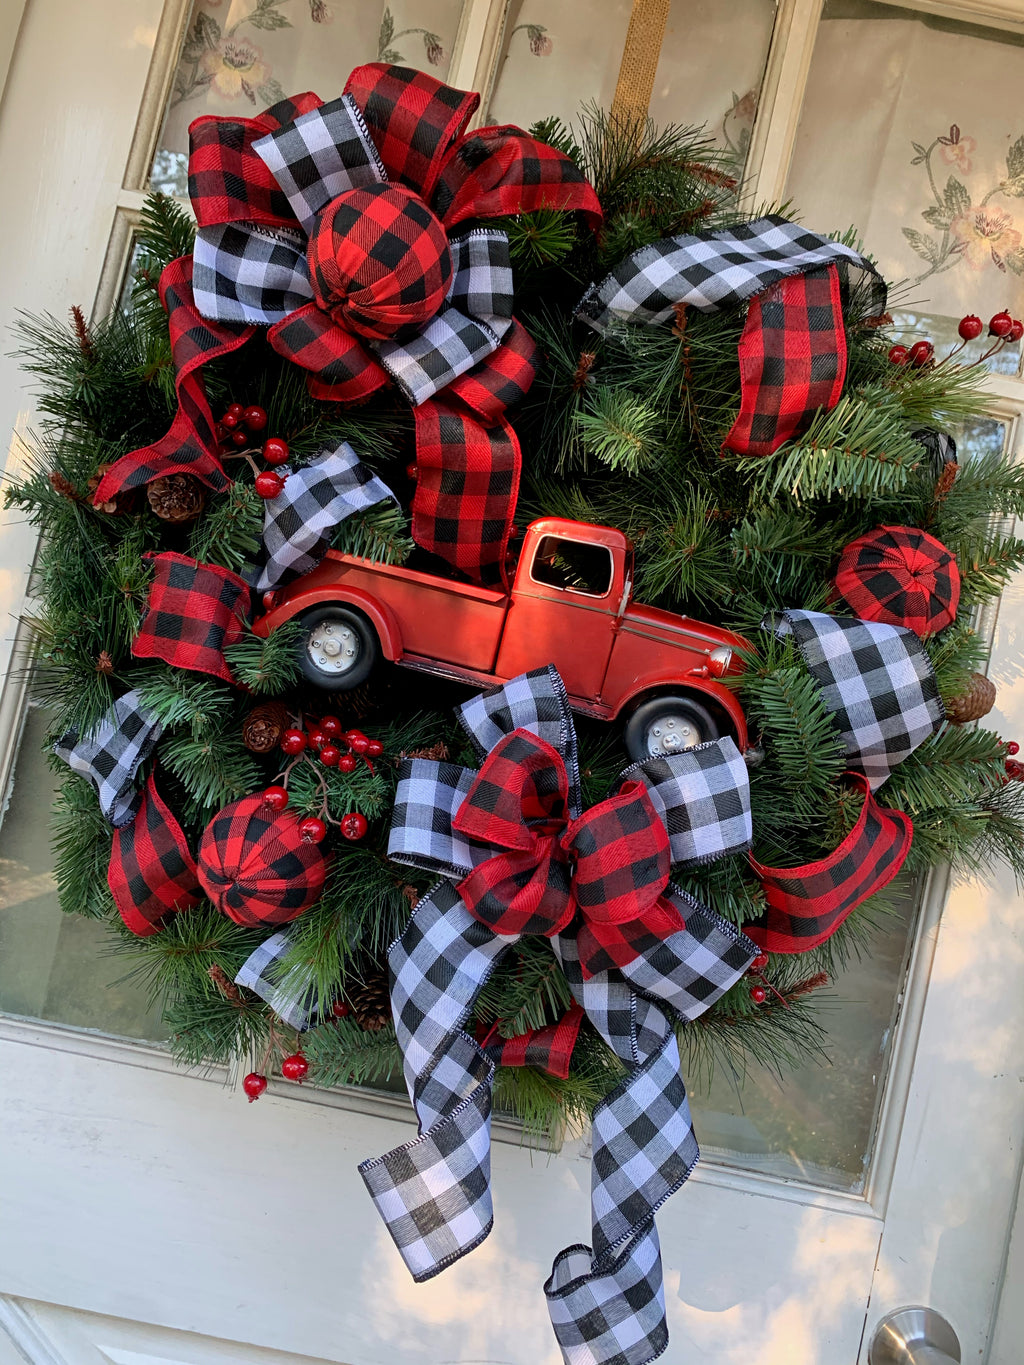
<point x="353" y="632"/>
<point x="680" y="715"/>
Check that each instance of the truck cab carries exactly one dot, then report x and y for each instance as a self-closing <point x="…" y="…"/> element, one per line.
<point x="570" y="604"/>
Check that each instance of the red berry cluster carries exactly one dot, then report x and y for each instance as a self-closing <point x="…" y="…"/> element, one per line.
<point x="237" y="427"/>
<point x="756" y="969"/>
<point x="1014" y="770"/>
<point x="335" y="748"/>
<point x="1001" y="326"/>
<point x="293" y="1068"/>
<point x="239" y="423"/>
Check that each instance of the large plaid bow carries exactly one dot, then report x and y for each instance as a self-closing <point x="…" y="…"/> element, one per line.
<point x="611" y="864"/>
<point x="329" y="223"/>
<point x="607" y="1301"/>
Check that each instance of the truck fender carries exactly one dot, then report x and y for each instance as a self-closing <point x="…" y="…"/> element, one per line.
<point x="707" y="687"/>
<point x="380" y="616"/>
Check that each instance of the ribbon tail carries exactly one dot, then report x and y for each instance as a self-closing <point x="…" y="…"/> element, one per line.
<point x="466" y="488"/>
<point x="191" y="444"/>
<point x="434" y="1193"/>
<point x="792" y="355"/>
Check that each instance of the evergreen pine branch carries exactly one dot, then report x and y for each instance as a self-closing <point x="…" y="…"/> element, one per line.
<point x="214" y="767"/>
<point x="266" y="666"/>
<point x="180" y="698"/>
<point x="785" y="707"/>
<point x="341" y="1053"/>
<point x="82" y="840"/>
<point x="621" y="430"/>
<point x="380" y="534"/>
<point x="229" y="531"/>
<point x="986" y="564"/>
<point x="526" y="991"/>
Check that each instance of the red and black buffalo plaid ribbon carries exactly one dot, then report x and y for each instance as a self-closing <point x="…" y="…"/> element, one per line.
<point x="468" y="462"/>
<point x="792" y="361"/>
<point x="611" y="865"/>
<point x="191" y="444"/>
<point x="806" y="905"/>
<point x="548" y="1049"/>
<point x="902" y="576"/>
<point x="195" y="611"/>
<point x="256" y="867"/>
<point x="151" y="873"/>
<point x="376" y="182"/>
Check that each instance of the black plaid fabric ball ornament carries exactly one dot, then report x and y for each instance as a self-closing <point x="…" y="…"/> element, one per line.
<point x="902" y="576"/>
<point x="256" y="867"/>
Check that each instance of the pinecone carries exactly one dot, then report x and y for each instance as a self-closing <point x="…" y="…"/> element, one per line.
<point x="104" y="664"/>
<point x="370" y="1002"/>
<point x="263" y="726"/>
<point x="977" y="701"/>
<point x="176" y="497"/>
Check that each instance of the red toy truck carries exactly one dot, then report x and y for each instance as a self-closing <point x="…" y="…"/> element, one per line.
<point x="570" y="604"/>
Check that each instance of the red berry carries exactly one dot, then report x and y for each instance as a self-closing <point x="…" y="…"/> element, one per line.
<point x="1000" y="325"/>
<point x="255" y="418"/>
<point x="348" y="763"/>
<point x="268" y="484"/>
<point x="1014" y="769"/>
<point x="293" y="741"/>
<point x="239" y="439"/>
<point x="312" y="830"/>
<point x="340" y="1010"/>
<point x="295" y="1067"/>
<point x="329" y="755"/>
<point x="899" y="355"/>
<point x="235" y="410"/>
<point x="330" y="725"/>
<point x="1016" y="331"/>
<point x="758" y="994"/>
<point x="970" y="327"/>
<point x="350" y="735"/>
<point x="353" y="826"/>
<point x="411" y="472"/>
<point x="359" y="744"/>
<point x="1012" y="748"/>
<point x="921" y="352"/>
<point x="254" y="1085"/>
<point x="317" y="738"/>
<point x="759" y="963"/>
<point x="230" y="420"/>
<point x="275" y="451"/>
<point x="374" y="748"/>
<point x="276" y="797"/>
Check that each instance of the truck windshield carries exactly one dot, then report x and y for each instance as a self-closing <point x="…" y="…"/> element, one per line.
<point x="573" y="565"/>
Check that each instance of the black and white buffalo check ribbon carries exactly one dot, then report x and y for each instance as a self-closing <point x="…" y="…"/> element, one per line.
<point x="877" y="681"/>
<point x="111" y="753"/>
<point x="715" y="270"/>
<point x="297" y="524"/>
<point x="263" y="972"/>
<point x="606" y="1301"/>
<point x="246" y="272"/>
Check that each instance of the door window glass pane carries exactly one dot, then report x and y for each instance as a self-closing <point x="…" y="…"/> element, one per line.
<point x="241" y="55"/>
<point x="54" y="966"/>
<point x="902" y="135"/>
<point x="573" y="565"/>
<point x="551" y="63"/>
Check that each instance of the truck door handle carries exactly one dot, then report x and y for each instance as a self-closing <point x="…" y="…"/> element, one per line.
<point x="914" y="1336"/>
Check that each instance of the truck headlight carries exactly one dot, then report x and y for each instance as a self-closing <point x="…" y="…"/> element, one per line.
<point x="719" y="660"/>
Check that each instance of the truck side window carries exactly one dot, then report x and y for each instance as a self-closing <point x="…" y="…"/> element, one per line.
<point x="573" y="565"/>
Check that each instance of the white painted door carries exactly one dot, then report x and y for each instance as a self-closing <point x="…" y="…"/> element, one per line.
<point x="147" y="1215"/>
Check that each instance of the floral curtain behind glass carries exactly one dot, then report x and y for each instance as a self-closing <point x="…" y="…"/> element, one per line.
<point x="241" y="55"/>
<point x="910" y="131"/>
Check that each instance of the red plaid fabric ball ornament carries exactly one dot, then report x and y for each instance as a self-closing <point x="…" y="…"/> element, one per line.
<point x="255" y="866"/>
<point x="902" y="576"/>
<point x="379" y="261"/>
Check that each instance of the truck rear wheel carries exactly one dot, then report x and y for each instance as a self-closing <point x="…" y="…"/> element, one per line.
<point x="337" y="649"/>
<point x="668" y="725"/>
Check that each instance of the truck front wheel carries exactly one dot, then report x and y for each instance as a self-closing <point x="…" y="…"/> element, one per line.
<point x="337" y="649"/>
<point x="667" y="725"/>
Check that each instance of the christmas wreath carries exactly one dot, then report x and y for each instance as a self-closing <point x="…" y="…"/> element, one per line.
<point x="492" y="546"/>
